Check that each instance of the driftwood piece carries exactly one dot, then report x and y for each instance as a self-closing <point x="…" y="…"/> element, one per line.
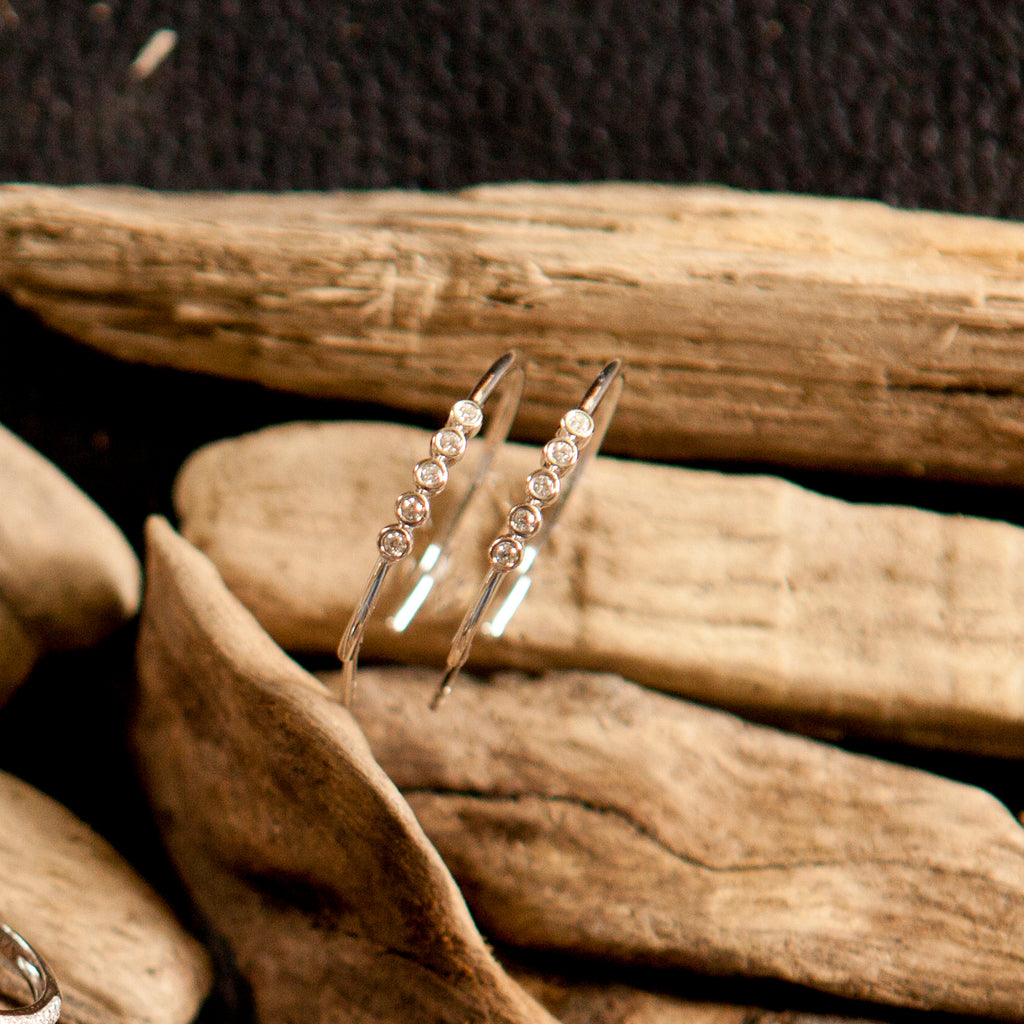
<point x="802" y="331"/>
<point x="68" y="577"/>
<point x="589" y="1002"/>
<point x="581" y="812"/>
<point x="746" y="592"/>
<point x="117" y="952"/>
<point x="295" y="844"/>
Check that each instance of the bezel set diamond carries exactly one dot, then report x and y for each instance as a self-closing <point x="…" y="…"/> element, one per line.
<point x="449" y="443"/>
<point x="468" y="416"/>
<point x="412" y="508"/>
<point x="578" y="424"/>
<point x="525" y="520"/>
<point x="543" y="486"/>
<point x="394" y="542"/>
<point x="560" y="454"/>
<point x="506" y="552"/>
<point x="431" y="476"/>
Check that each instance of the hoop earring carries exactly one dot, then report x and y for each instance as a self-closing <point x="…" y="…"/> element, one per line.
<point x="395" y="542"/>
<point x="512" y="554"/>
<point x="45" y="1005"/>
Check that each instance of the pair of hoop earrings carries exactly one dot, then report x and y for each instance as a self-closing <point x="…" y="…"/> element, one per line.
<point x="529" y="523"/>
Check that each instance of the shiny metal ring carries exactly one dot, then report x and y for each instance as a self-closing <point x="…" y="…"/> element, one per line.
<point x="512" y="554"/>
<point x="45" y="1008"/>
<point x="413" y="508"/>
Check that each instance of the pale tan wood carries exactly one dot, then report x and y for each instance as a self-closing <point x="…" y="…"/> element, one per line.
<point x="589" y="1002"/>
<point x="583" y="813"/>
<point x="296" y="845"/>
<point x="68" y="577"/>
<point x="117" y="952"/>
<point x="799" y="330"/>
<point x="741" y="591"/>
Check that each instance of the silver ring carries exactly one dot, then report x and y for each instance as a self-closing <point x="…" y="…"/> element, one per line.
<point x="512" y="554"/>
<point x="46" y="1006"/>
<point x="413" y="508"/>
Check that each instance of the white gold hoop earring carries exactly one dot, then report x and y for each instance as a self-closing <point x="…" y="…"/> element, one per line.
<point x="45" y="1005"/>
<point x="512" y="553"/>
<point x="413" y="508"/>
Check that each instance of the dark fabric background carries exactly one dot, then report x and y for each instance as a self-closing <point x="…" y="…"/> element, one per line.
<point x="913" y="103"/>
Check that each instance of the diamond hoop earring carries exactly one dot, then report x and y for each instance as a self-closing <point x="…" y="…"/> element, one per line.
<point x="45" y="1005"/>
<point x="430" y="475"/>
<point x="512" y="554"/>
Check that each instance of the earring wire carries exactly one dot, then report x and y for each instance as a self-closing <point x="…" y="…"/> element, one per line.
<point x="512" y="554"/>
<point x="413" y="508"/>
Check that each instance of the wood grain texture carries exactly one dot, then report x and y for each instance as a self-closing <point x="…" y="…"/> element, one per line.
<point x="741" y="591"/>
<point x="117" y="952"/>
<point x="68" y="577"/>
<point x="295" y="844"/>
<point x="801" y="331"/>
<point x="583" y="813"/>
<point x="592" y="1002"/>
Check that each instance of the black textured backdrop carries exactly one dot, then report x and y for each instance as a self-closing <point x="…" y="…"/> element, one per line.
<point x="914" y="103"/>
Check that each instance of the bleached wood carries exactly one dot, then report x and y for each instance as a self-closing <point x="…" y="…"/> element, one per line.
<point x="295" y="844"/>
<point x="801" y="331"/>
<point x="68" y="577"/>
<point x="583" y="813"/>
<point x="580" y="813"/>
<point x="741" y="591"/>
<point x="117" y="952"/>
<point x="592" y="1002"/>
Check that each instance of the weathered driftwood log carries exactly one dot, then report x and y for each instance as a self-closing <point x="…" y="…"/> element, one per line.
<point x="295" y="844"/>
<point x="67" y="575"/>
<point x="803" y="331"/>
<point x="581" y="812"/>
<point x="746" y="592"/>
<point x="117" y="952"/>
<point x="589" y="1002"/>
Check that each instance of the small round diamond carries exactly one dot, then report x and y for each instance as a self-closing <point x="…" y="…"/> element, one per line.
<point x="412" y="508"/>
<point x="394" y="542"/>
<point x="506" y="553"/>
<point x="431" y="475"/>
<point x="468" y="415"/>
<point x="561" y="454"/>
<point x="578" y="423"/>
<point x="524" y="520"/>
<point x="449" y="443"/>
<point x="543" y="485"/>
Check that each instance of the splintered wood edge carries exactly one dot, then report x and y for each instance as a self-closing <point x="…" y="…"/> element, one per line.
<point x="742" y="591"/>
<point x="798" y="331"/>
<point x="240" y="748"/>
